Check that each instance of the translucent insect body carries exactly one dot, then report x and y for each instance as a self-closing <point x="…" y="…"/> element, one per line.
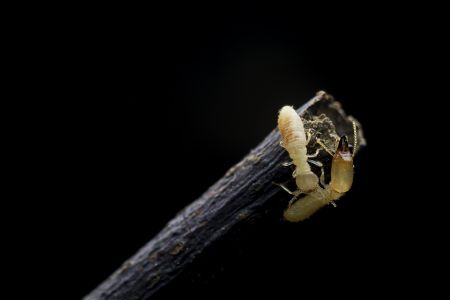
<point x="294" y="141"/>
<point x="341" y="182"/>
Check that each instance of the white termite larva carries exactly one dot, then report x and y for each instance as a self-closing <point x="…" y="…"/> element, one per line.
<point x="294" y="141"/>
<point x="341" y="182"/>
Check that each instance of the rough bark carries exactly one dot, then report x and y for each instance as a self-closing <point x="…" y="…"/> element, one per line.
<point x="246" y="191"/>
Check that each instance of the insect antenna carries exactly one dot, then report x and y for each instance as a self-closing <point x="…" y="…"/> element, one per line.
<point x="355" y="138"/>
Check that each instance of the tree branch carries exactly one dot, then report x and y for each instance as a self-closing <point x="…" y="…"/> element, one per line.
<point x="246" y="191"/>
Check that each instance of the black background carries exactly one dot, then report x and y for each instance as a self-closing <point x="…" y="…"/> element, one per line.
<point x="149" y="110"/>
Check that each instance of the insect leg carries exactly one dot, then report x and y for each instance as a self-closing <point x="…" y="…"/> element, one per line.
<point x="308" y="136"/>
<point x="287" y="164"/>
<point x="313" y="155"/>
<point x="322" y="177"/>
<point x="322" y="172"/>
<point x="292" y="201"/>
<point x="295" y="193"/>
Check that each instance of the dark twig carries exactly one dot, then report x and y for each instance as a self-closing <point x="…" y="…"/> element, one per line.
<point x="245" y="192"/>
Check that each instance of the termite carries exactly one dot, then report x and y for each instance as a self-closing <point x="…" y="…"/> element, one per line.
<point x="341" y="182"/>
<point x="294" y="140"/>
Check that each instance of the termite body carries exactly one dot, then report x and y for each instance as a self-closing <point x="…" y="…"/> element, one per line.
<point x="294" y="141"/>
<point x="341" y="182"/>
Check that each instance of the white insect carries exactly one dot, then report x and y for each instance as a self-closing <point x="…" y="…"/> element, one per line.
<point x="294" y="141"/>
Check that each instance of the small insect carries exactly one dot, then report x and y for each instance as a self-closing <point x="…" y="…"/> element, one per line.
<point x="294" y="141"/>
<point x="341" y="182"/>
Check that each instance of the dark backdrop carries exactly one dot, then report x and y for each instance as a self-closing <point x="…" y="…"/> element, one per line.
<point x="151" y="110"/>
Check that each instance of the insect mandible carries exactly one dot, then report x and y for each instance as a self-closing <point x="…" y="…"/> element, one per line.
<point x="340" y="183"/>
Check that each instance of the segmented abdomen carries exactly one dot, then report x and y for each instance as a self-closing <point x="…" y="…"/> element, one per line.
<point x="293" y="135"/>
<point x="305" y="207"/>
